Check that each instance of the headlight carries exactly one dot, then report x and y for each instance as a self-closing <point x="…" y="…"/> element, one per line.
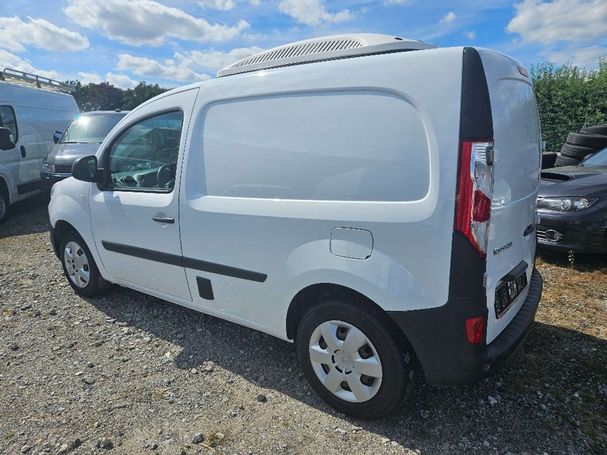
<point x="565" y="204"/>
<point x="50" y="168"/>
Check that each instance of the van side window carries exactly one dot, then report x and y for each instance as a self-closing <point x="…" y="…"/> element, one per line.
<point x="144" y="157"/>
<point x="8" y="120"/>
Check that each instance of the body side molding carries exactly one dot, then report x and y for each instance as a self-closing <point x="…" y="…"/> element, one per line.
<point x="174" y="259"/>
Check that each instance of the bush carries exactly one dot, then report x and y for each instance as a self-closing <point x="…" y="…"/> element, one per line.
<point x="569" y="98"/>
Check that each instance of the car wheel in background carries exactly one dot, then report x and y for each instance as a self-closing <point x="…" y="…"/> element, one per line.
<point x="594" y="141"/>
<point x="576" y="151"/>
<point x="562" y="160"/>
<point x="595" y="129"/>
<point x="354" y="359"/>
<point x="79" y="266"/>
<point x="4" y="206"/>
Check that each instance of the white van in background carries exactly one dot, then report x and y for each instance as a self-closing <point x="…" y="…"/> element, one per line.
<point x="32" y="108"/>
<point x="370" y="198"/>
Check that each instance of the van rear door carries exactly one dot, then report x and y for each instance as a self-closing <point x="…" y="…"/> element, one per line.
<point x="517" y="155"/>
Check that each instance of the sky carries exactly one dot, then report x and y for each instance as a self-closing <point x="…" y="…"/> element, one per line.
<point x="174" y="42"/>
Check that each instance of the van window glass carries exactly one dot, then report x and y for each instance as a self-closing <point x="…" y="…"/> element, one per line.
<point x="144" y="158"/>
<point x="8" y="120"/>
<point x="90" y="129"/>
<point x="344" y="146"/>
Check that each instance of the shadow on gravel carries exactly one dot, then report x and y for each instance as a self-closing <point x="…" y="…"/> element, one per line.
<point x="26" y="217"/>
<point x="581" y="262"/>
<point x="552" y="394"/>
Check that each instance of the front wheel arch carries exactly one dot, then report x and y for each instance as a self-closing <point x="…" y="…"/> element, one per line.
<point x="61" y="227"/>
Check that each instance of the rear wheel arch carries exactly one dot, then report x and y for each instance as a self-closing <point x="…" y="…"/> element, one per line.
<point x="314" y="294"/>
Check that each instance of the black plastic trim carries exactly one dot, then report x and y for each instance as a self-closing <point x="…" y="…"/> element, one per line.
<point x="181" y="261"/>
<point x="205" y="288"/>
<point x="476" y="122"/>
<point x="29" y="186"/>
<point x="439" y="340"/>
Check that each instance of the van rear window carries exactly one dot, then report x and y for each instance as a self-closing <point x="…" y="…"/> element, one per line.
<point x="342" y="146"/>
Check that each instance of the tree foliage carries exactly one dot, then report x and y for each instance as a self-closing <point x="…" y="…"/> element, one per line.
<point x="106" y="97"/>
<point x="569" y="98"/>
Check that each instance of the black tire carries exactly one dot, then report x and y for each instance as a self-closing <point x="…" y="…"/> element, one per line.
<point x="95" y="285"/>
<point x="548" y="160"/>
<point x="393" y="351"/>
<point x="594" y="141"/>
<point x="595" y="129"/>
<point x="4" y="207"/>
<point x="576" y="151"/>
<point x="565" y="161"/>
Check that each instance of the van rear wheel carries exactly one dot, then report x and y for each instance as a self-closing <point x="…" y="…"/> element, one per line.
<point x="354" y="360"/>
<point x="79" y="266"/>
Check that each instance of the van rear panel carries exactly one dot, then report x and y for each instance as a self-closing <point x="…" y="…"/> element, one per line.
<point x="493" y="244"/>
<point x="517" y="147"/>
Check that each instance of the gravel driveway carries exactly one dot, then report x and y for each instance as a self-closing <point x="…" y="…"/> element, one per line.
<point x="130" y="374"/>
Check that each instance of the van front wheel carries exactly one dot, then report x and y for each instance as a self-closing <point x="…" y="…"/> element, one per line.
<point x="3" y="207"/>
<point x="79" y="266"/>
<point x="354" y="360"/>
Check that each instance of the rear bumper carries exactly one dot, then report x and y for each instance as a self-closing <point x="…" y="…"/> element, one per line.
<point x="439" y="340"/>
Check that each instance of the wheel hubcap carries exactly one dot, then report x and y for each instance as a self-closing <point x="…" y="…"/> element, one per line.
<point x="76" y="264"/>
<point x="345" y="361"/>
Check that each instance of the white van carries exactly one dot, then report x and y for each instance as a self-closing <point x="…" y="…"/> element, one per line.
<point x="370" y="198"/>
<point x="32" y="108"/>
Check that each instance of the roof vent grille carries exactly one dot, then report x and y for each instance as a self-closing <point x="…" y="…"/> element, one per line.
<point x="326" y="48"/>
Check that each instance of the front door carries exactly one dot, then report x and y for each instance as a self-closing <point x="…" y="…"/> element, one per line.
<point x="20" y="167"/>
<point x="134" y="213"/>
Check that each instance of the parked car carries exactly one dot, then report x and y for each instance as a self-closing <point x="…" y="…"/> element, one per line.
<point x="31" y="108"/>
<point x="82" y="137"/>
<point x="344" y="205"/>
<point x="572" y="207"/>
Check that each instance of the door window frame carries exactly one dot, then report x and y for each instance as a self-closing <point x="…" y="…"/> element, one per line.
<point x="105" y="155"/>
<point x="16" y="123"/>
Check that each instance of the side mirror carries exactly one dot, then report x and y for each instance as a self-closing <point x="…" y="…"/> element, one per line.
<point x="85" y="169"/>
<point x="6" y="139"/>
<point x="57" y="136"/>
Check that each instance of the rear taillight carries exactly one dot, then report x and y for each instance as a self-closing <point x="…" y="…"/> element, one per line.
<point x="474" y="193"/>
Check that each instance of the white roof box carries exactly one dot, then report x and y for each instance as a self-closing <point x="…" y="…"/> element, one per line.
<point x="324" y="48"/>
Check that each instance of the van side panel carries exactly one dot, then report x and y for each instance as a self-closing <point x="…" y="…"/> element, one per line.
<point x="282" y="228"/>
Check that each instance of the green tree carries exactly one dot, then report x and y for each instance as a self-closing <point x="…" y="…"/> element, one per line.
<point x="133" y="97"/>
<point x="97" y="97"/>
<point x="105" y="97"/>
<point x="569" y="98"/>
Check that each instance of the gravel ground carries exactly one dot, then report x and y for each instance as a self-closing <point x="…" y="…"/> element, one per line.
<point x="132" y="374"/>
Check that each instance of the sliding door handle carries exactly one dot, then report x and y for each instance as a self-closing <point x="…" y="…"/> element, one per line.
<point x="164" y="219"/>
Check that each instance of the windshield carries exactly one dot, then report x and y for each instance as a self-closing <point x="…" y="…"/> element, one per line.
<point x="598" y="159"/>
<point x="90" y="129"/>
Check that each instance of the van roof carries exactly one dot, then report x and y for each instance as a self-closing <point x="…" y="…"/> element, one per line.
<point x="324" y="48"/>
<point x="31" y="80"/>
